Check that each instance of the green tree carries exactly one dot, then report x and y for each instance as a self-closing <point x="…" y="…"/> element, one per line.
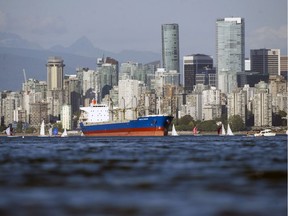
<point x="279" y="119"/>
<point x="185" y="123"/>
<point x="185" y="120"/>
<point x="236" y="123"/>
<point x="209" y="125"/>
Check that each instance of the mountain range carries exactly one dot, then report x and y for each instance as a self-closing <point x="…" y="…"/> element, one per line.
<point x="17" y="54"/>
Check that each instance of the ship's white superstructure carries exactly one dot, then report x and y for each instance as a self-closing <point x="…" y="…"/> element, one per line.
<point x="95" y="113"/>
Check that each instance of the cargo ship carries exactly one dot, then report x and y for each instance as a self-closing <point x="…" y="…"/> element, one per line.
<point x="96" y="121"/>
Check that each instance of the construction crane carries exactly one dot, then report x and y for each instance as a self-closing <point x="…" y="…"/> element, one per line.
<point x="25" y="79"/>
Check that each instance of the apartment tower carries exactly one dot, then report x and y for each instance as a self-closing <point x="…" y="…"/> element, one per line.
<point x="193" y="65"/>
<point x="265" y="61"/>
<point x="230" y="52"/>
<point x="170" y="47"/>
<point x="55" y="70"/>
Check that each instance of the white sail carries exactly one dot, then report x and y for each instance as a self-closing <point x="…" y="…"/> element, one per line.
<point x="229" y="131"/>
<point x="8" y="132"/>
<point x="64" y="134"/>
<point x="174" y="132"/>
<point x="223" y="131"/>
<point x="42" y="129"/>
<point x="50" y="131"/>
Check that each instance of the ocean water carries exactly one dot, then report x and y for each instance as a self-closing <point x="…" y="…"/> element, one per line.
<point x="184" y="175"/>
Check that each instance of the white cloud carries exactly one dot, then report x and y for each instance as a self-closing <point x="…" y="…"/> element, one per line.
<point x="2" y="20"/>
<point x="45" y="25"/>
<point x="268" y="37"/>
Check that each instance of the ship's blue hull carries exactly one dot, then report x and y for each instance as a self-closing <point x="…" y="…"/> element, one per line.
<point x="144" y="126"/>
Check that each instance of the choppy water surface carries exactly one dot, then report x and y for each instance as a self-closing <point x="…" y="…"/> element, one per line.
<point x="185" y="175"/>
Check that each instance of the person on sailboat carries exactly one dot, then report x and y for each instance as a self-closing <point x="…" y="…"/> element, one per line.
<point x="219" y="130"/>
<point x="219" y="124"/>
<point x="9" y="130"/>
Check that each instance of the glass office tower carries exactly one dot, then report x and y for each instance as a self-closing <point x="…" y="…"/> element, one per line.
<point x="230" y="52"/>
<point x="170" y="47"/>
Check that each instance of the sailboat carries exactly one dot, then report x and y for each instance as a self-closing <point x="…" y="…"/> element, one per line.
<point x="42" y="130"/>
<point x="223" y="131"/>
<point x="229" y="131"/>
<point x="64" y="134"/>
<point x="174" y="132"/>
<point x="195" y="131"/>
<point x="8" y="131"/>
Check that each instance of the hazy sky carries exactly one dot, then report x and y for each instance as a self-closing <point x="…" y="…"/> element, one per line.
<point x="116" y="25"/>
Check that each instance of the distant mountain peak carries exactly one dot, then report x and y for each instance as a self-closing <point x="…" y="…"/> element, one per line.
<point x="12" y="40"/>
<point x="83" y="42"/>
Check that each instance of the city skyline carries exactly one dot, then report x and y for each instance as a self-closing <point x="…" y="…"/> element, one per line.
<point x="135" y="25"/>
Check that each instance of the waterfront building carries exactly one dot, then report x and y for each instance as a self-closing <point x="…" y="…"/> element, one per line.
<point x="10" y="104"/>
<point x="149" y="71"/>
<point x="88" y="82"/>
<point x="162" y="78"/>
<point x="66" y="117"/>
<point x="250" y="78"/>
<point x="72" y="92"/>
<point x="129" y="93"/>
<point x="55" y="100"/>
<point x="193" y="65"/>
<point x="277" y="87"/>
<point x="284" y="66"/>
<point x="55" y="72"/>
<point x="33" y="91"/>
<point x="265" y="61"/>
<point x="211" y="104"/>
<point x="247" y="65"/>
<point x="207" y="77"/>
<point x="131" y="70"/>
<point x="170" y="48"/>
<point x="107" y="76"/>
<point x="237" y="104"/>
<point x="193" y="106"/>
<point x="38" y="113"/>
<point x="230" y="52"/>
<point x="262" y="105"/>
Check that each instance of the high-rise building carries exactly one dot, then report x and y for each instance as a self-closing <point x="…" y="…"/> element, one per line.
<point x="236" y="104"/>
<point x="193" y="65"/>
<point x="107" y="76"/>
<point x="265" y="61"/>
<point x="129" y="92"/>
<point x="55" y="70"/>
<point x="66" y="117"/>
<point x="284" y="66"/>
<point x="230" y="52"/>
<point x="170" y="47"/>
<point x="211" y="104"/>
<point x="262" y="105"/>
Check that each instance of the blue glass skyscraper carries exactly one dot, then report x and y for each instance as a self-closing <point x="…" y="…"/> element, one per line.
<point x="230" y="52"/>
<point x="170" y="47"/>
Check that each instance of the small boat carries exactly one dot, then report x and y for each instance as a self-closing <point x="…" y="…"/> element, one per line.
<point x="195" y="131"/>
<point x="223" y="131"/>
<point x="9" y="132"/>
<point x="42" y="130"/>
<point x="64" y="134"/>
<point x="174" y="132"/>
<point x="229" y="131"/>
<point x="266" y="132"/>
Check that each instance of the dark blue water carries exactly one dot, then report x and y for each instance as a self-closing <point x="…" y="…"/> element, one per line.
<point x="185" y="175"/>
